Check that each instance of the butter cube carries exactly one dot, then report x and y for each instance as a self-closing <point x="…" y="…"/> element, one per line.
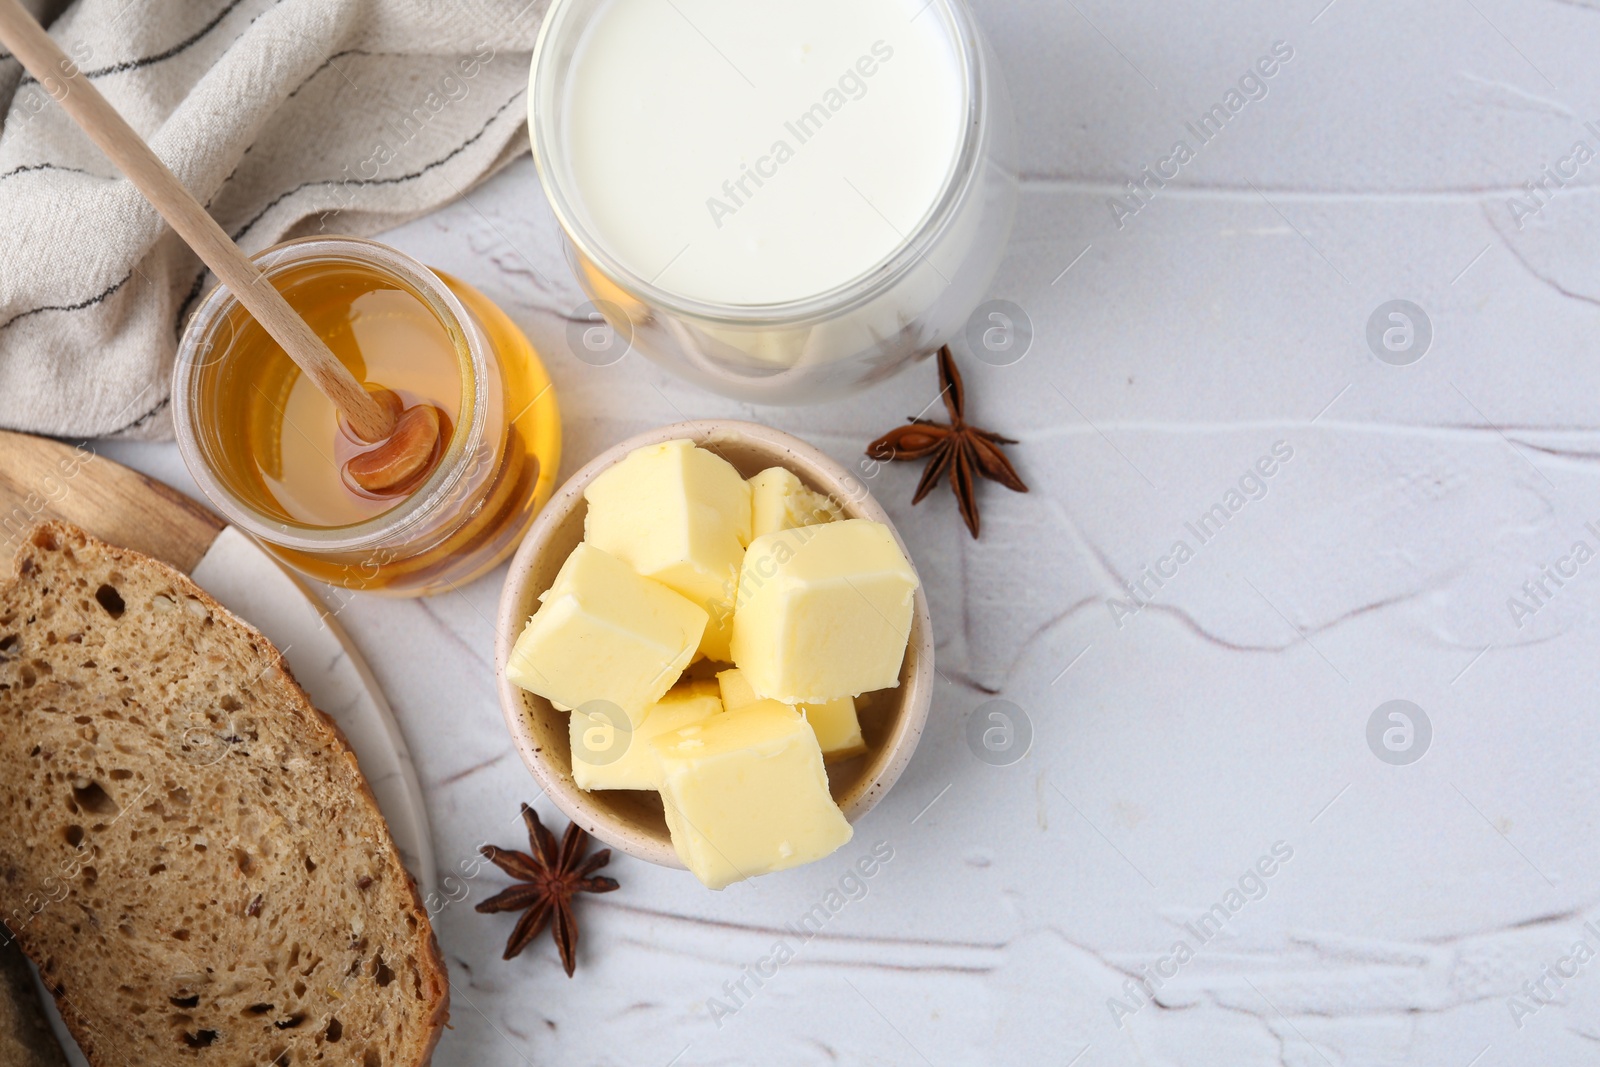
<point x="735" y="689"/>
<point x="680" y="515"/>
<point x="746" y="794"/>
<point x="609" y="753"/>
<point x="824" y="612"/>
<point x="835" y="724"/>
<point x="602" y="632"/>
<point x="837" y="728"/>
<point x="779" y="501"/>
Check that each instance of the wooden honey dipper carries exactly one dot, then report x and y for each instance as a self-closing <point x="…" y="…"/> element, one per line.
<point x="407" y="438"/>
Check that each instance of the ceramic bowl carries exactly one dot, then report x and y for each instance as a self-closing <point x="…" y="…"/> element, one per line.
<point x="632" y="820"/>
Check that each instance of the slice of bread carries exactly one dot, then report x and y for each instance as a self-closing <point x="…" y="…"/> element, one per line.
<point x="188" y="850"/>
<point x="25" y="1037"/>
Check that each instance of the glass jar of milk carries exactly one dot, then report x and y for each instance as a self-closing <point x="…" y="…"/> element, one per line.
<point x="783" y="200"/>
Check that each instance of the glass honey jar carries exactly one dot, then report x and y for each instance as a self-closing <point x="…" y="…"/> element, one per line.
<point x="269" y="450"/>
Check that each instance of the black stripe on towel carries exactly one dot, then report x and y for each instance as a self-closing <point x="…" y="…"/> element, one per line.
<point x="146" y="61"/>
<point x="79" y="306"/>
<point x="396" y="180"/>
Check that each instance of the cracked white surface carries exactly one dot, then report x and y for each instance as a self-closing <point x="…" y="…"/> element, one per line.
<point x="1171" y="752"/>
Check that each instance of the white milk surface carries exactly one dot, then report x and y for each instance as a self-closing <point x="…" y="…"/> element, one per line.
<point x="761" y="151"/>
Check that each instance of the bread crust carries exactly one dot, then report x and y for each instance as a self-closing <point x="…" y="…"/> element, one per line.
<point x="288" y="699"/>
<point x="25" y="1037"/>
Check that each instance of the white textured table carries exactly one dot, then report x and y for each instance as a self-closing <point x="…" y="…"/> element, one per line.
<point x="1177" y="745"/>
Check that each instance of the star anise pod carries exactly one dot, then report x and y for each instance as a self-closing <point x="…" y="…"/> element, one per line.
<point x="959" y="449"/>
<point x="547" y="882"/>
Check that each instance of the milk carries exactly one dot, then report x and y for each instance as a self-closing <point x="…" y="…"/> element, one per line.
<point x="760" y="152"/>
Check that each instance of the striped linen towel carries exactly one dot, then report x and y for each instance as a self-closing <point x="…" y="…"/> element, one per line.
<point x="285" y="117"/>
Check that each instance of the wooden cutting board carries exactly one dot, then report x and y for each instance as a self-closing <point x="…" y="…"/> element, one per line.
<point x="44" y="479"/>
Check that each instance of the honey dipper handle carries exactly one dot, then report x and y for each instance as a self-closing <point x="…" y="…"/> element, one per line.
<point x="60" y="77"/>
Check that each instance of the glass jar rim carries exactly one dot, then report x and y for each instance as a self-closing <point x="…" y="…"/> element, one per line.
<point x="466" y="440"/>
<point x="544" y="126"/>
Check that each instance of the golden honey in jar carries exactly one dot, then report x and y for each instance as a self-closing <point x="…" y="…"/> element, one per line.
<point x="270" y="450"/>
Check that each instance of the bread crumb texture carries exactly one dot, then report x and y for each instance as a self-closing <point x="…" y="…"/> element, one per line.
<point x="187" y="848"/>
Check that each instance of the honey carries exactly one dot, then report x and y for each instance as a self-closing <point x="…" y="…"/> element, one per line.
<point x="293" y="450"/>
<point x="271" y="450"/>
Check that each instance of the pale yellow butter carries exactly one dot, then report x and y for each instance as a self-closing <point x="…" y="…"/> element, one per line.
<point x="603" y="632"/>
<point x="824" y="612"/>
<point x="681" y="516"/>
<point x="745" y="794"/>
<point x="837" y="728"/>
<point x="609" y="753"/>
<point x="835" y="723"/>
<point x="779" y="501"/>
